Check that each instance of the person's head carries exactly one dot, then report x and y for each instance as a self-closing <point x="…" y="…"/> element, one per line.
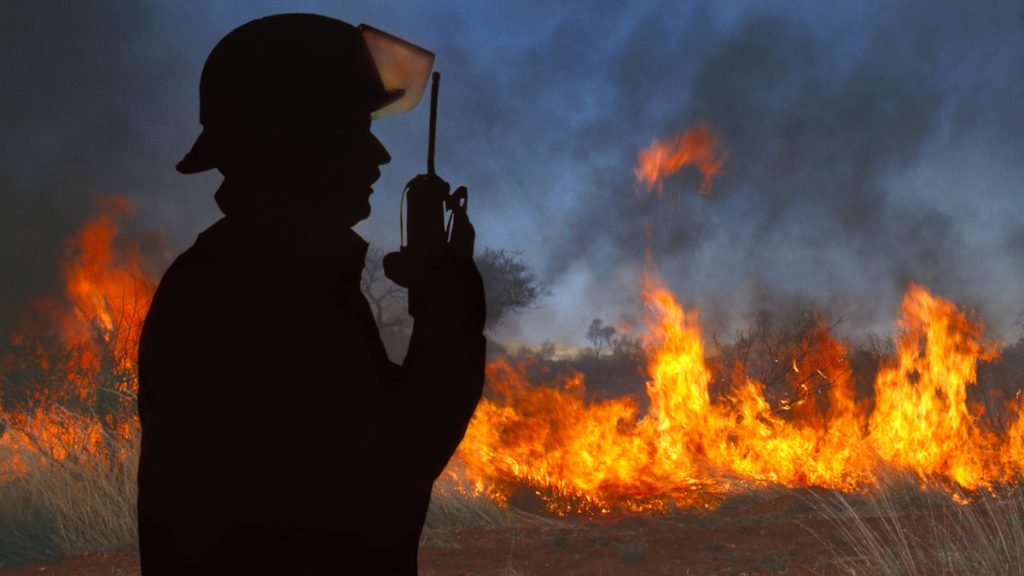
<point x="286" y="104"/>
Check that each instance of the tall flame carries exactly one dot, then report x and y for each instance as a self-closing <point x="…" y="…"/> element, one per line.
<point x="691" y="447"/>
<point x="697" y="147"/>
<point x="109" y="286"/>
<point x="922" y="420"/>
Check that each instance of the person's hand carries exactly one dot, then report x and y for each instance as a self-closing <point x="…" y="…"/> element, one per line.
<point x="449" y="293"/>
<point x="456" y="290"/>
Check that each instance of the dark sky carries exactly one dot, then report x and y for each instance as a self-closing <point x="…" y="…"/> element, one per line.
<point x="869" y="144"/>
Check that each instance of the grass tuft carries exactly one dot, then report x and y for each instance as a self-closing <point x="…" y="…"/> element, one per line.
<point x="57" y="510"/>
<point x="62" y="509"/>
<point x="901" y="529"/>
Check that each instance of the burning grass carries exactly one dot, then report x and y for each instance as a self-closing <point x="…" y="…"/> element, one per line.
<point x="693" y="445"/>
<point x="697" y="433"/>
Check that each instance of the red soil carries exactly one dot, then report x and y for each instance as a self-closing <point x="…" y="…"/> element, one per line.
<point x="771" y="536"/>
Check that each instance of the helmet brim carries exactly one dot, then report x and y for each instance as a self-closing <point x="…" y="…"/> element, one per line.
<point x="201" y="157"/>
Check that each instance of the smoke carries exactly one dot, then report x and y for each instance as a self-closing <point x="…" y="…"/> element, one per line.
<point x="49" y="104"/>
<point x="831" y="134"/>
<point x="868" y="144"/>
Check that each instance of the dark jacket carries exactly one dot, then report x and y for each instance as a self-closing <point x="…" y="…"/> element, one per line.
<point x="277" y="436"/>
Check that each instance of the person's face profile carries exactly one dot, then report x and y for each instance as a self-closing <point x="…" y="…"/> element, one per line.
<point x="344" y="163"/>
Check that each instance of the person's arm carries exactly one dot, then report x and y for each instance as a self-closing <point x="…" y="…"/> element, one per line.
<point x="443" y="372"/>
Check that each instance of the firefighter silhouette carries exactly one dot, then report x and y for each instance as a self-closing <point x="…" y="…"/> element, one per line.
<point x="277" y="437"/>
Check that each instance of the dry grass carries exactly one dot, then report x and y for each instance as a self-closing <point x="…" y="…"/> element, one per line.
<point x="66" y="509"/>
<point x="902" y="529"/>
<point x="59" y="510"/>
<point x="453" y="507"/>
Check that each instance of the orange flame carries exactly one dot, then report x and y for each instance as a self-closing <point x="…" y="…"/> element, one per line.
<point x="921" y="420"/>
<point x="690" y="447"/>
<point x="77" y="390"/>
<point x="698" y="147"/>
<point x="108" y="286"/>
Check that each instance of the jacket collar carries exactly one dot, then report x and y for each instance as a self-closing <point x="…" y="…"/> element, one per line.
<point x="337" y="254"/>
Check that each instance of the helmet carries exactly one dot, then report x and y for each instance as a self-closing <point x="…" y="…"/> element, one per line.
<point x="290" y="73"/>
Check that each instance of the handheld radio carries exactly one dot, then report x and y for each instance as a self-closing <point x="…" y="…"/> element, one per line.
<point x="427" y="238"/>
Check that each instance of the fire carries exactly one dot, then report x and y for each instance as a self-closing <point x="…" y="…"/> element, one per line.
<point x="67" y="388"/>
<point x="696" y="431"/>
<point x="693" y="443"/>
<point x="109" y="288"/>
<point x="687" y="450"/>
<point x="697" y="147"/>
<point x="922" y="420"/>
<point x="691" y="447"/>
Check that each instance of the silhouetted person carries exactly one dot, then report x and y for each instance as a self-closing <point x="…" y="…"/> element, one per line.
<point x="277" y="437"/>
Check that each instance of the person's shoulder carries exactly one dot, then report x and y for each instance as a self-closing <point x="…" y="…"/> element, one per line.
<point x="198" y="265"/>
<point x="200" y="250"/>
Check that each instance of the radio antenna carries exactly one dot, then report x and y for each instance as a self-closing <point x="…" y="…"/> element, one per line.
<point x="435" y="81"/>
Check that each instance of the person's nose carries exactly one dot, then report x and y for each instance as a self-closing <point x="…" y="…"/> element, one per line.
<point x="379" y="153"/>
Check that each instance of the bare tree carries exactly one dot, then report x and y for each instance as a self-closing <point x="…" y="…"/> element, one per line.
<point x="796" y="360"/>
<point x="510" y="284"/>
<point x="600" y="336"/>
<point x="387" y="299"/>
<point x="389" y="305"/>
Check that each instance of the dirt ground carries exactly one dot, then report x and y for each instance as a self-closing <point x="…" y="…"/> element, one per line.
<point x="772" y="536"/>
